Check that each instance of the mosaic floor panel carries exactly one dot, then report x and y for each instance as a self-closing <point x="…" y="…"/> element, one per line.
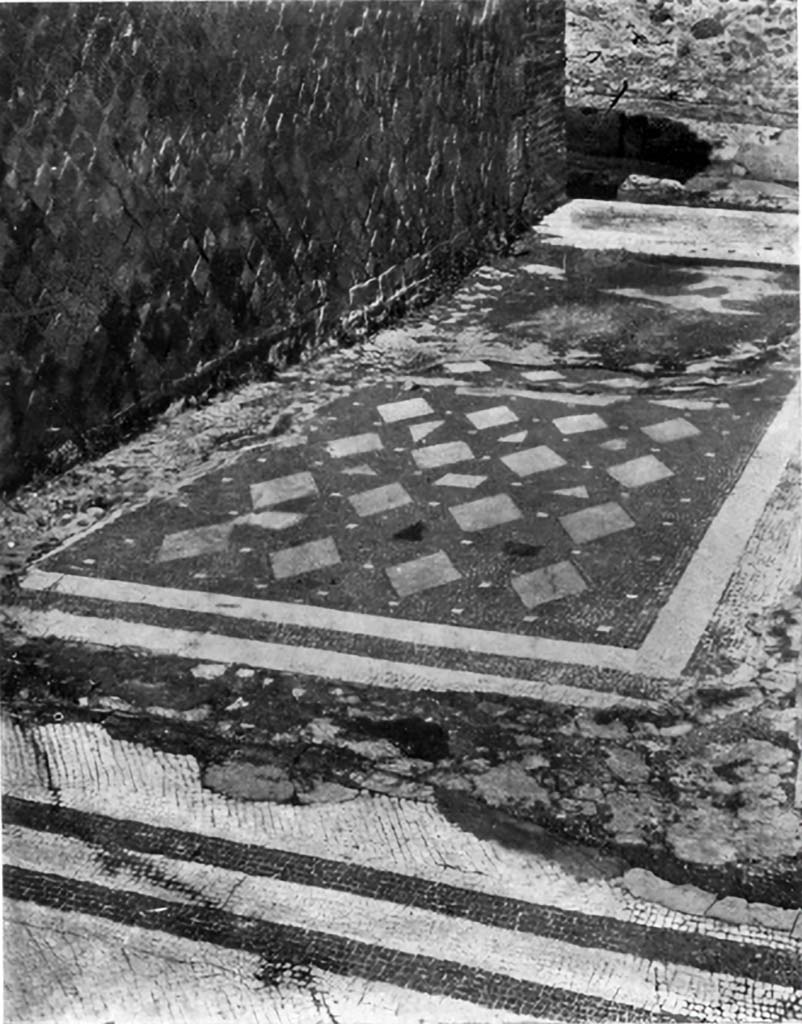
<point x="575" y="527"/>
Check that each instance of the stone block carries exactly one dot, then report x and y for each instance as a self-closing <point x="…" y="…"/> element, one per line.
<point x="781" y="918"/>
<point x="731" y="909"/>
<point x="686" y="899"/>
<point x="641" y="188"/>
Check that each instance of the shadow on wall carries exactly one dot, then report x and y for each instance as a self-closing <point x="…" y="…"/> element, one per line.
<point x="605" y="147"/>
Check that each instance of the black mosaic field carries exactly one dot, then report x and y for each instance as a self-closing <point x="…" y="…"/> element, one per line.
<point x="629" y="575"/>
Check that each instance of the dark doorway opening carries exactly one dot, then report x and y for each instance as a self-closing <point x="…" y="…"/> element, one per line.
<point x="605" y="147"/>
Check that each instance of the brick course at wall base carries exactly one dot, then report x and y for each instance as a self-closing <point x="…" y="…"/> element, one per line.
<point x="725" y="68"/>
<point x="188" y="185"/>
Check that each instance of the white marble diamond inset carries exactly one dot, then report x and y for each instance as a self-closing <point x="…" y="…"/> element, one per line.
<point x="477" y="367"/>
<point x="379" y="499"/>
<point x="354" y="445"/>
<point x="203" y="540"/>
<point x="392" y="412"/>
<point x="485" y="512"/>
<point x="421" y="430"/>
<point x="483" y="419"/>
<point x="670" y="430"/>
<point x="580" y="423"/>
<point x="573" y="492"/>
<point x="598" y="521"/>
<point x="540" y="376"/>
<point x="283" y="488"/>
<point x="550" y="583"/>
<point x="533" y="460"/>
<point x="422" y="574"/>
<point x="269" y="520"/>
<point x="460" y="480"/>
<point x="638" y="472"/>
<point x="315" y="554"/>
<point x="686" y="404"/>
<point x="437" y="455"/>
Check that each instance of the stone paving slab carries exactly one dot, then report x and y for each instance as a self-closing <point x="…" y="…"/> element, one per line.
<point x="728" y="236"/>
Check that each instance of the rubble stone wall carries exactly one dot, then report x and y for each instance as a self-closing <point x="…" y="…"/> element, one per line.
<point x="187" y="185"/>
<point x="727" y="68"/>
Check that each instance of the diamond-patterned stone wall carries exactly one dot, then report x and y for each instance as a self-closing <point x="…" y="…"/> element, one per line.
<point x="186" y="186"/>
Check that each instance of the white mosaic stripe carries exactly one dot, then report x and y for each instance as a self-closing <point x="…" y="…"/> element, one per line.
<point x="560" y="397"/>
<point x="633" y="981"/>
<point x="324" y="664"/>
<point x="430" y="634"/>
<point x="80" y="766"/>
<point x="93" y="971"/>
<point x="683" y="618"/>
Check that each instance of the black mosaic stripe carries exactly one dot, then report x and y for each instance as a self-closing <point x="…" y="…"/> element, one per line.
<point x="589" y="677"/>
<point x="661" y="945"/>
<point x="279" y="943"/>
